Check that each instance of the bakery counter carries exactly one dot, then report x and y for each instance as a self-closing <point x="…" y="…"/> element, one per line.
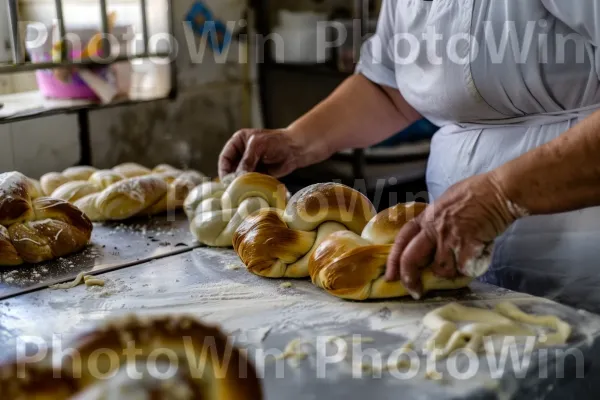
<point x="113" y="245"/>
<point x="270" y="316"/>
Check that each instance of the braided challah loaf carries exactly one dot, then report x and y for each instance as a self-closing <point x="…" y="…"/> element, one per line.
<point x="216" y="209"/>
<point x="274" y="243"/>
<point x="352" y="267"/>
<point x="53" y="180"/>
<point x="34" y="230"/>
<point x="124" y="199"/>
<point x="126" y="191"/>
<point x="163" y="358"/>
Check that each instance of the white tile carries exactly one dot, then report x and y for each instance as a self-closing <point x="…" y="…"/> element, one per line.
<point x="6" y="154"/>
<point x="45" y="144"/>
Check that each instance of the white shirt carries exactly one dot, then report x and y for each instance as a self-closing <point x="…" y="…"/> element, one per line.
<point x="493" y="104"/>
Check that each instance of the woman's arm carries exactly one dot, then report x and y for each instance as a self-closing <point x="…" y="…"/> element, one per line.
<point x="456" y="234"/>
<point x="561" y="175"/>
<point x="359" y="113"/>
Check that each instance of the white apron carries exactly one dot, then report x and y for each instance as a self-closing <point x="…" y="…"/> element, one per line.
<point x="497" y="104"/>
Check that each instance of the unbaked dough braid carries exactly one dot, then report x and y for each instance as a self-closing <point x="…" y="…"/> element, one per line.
<point x="90" y="192"/>
<point x="53" y="180"/>
<point x="124" y="199"/>
<point x="163" y="358"/>
<point x="352" y="267"/>
<point x="180" y="186"/>
<point x="131" y="170"/>
<point x="277" y="244"/>
<point x="34" y="230"/>
<point x="216" y="209"/>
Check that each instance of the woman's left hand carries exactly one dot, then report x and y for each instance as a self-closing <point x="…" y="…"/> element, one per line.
<point x="454" y="235"/>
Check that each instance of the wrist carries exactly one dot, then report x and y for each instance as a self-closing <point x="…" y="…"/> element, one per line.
<point x="510" y="208"/>
<point x="309" y="149"/>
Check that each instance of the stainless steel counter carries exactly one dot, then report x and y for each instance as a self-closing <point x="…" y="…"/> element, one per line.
<point x="265" y="317"/>
<point x="113" y="246"/>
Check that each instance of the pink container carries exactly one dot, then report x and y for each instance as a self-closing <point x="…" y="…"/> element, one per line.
<point x="75" y="88"/>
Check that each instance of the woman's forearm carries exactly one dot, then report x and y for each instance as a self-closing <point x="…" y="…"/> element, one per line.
<point x="559" y="176"/>
<point x="357" y="114"/>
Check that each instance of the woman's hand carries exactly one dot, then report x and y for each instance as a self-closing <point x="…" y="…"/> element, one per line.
<point x="454" y="235"/>
<point x="275" y="152"/>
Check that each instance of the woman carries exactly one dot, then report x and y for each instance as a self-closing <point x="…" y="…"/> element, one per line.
<point x="514" y="86"/>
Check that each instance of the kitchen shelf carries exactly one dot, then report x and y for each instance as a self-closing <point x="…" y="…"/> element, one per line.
<point x="29" y="105"/>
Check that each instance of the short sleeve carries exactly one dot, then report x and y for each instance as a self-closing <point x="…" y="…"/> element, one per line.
<point x="583" y="16"/>
<point x="375" y="62"/>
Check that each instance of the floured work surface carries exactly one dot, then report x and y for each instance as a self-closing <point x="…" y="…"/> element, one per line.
<point x="271" y="316"/>
<point x="113" y="245"/>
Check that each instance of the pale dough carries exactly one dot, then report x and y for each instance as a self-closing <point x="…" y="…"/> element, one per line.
<point x="507" y="319"/>
<point x="69" y="285"/>
<point x="89" y="280"/>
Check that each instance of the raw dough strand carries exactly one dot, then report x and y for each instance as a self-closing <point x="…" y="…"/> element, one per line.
<point x="562" y="329"/>
<point x="448" y="337"/>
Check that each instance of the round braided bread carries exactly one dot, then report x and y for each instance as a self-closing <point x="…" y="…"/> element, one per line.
<point x="275" y="243"/>
<point x="176" y="358"/>
<point x="216" y="209"/>
<point x="39" y="229"/>
<point x="352" y="266"/>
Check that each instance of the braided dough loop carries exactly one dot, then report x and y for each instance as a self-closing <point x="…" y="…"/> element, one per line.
<point x="217" y="209"/>
<point x="276" y="244"/>
<point x="202" y="364"/>
<point x="104" y="178"/>
<point x="37" y="230"/>
<point x="180" y="186"/>
<point x="53" y="180"/>
<point x="132" y="170"/>
<point x="352" y="267"/>
<point x="111" y="195"/>
<point x="124" y="199"/>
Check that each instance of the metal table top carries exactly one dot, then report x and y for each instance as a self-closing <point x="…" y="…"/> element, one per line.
<point x="265" y="317"/>
<point x="113" y="245"/>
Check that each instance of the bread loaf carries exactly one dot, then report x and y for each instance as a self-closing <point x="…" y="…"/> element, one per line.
<point x="131" y="170"/>
<point x="200" y="363"/>
<point x="104" y="178"/>
<point x="40" y="229"/>
<point x="216" y="209"/>
<point x="352" y="266"/>
<point x="53" y="180"/>
<point x="124" y="199"/>
<point x="276" y="244"/>
<point x="180" y="186"/>
<point x="74" y="190"/>
<point x="95" y="193"/>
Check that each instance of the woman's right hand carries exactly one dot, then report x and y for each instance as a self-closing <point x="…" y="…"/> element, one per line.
<point x="274" y="152"/>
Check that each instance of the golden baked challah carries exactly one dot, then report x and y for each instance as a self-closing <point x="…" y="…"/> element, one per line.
<point x="275" y="243"/>
<point x="216" y="209"/>
<point x="34" y="230"/>
<point x="125" y="191"/>
<point x="352" y="267"/>
<point x="163" y="358"/>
